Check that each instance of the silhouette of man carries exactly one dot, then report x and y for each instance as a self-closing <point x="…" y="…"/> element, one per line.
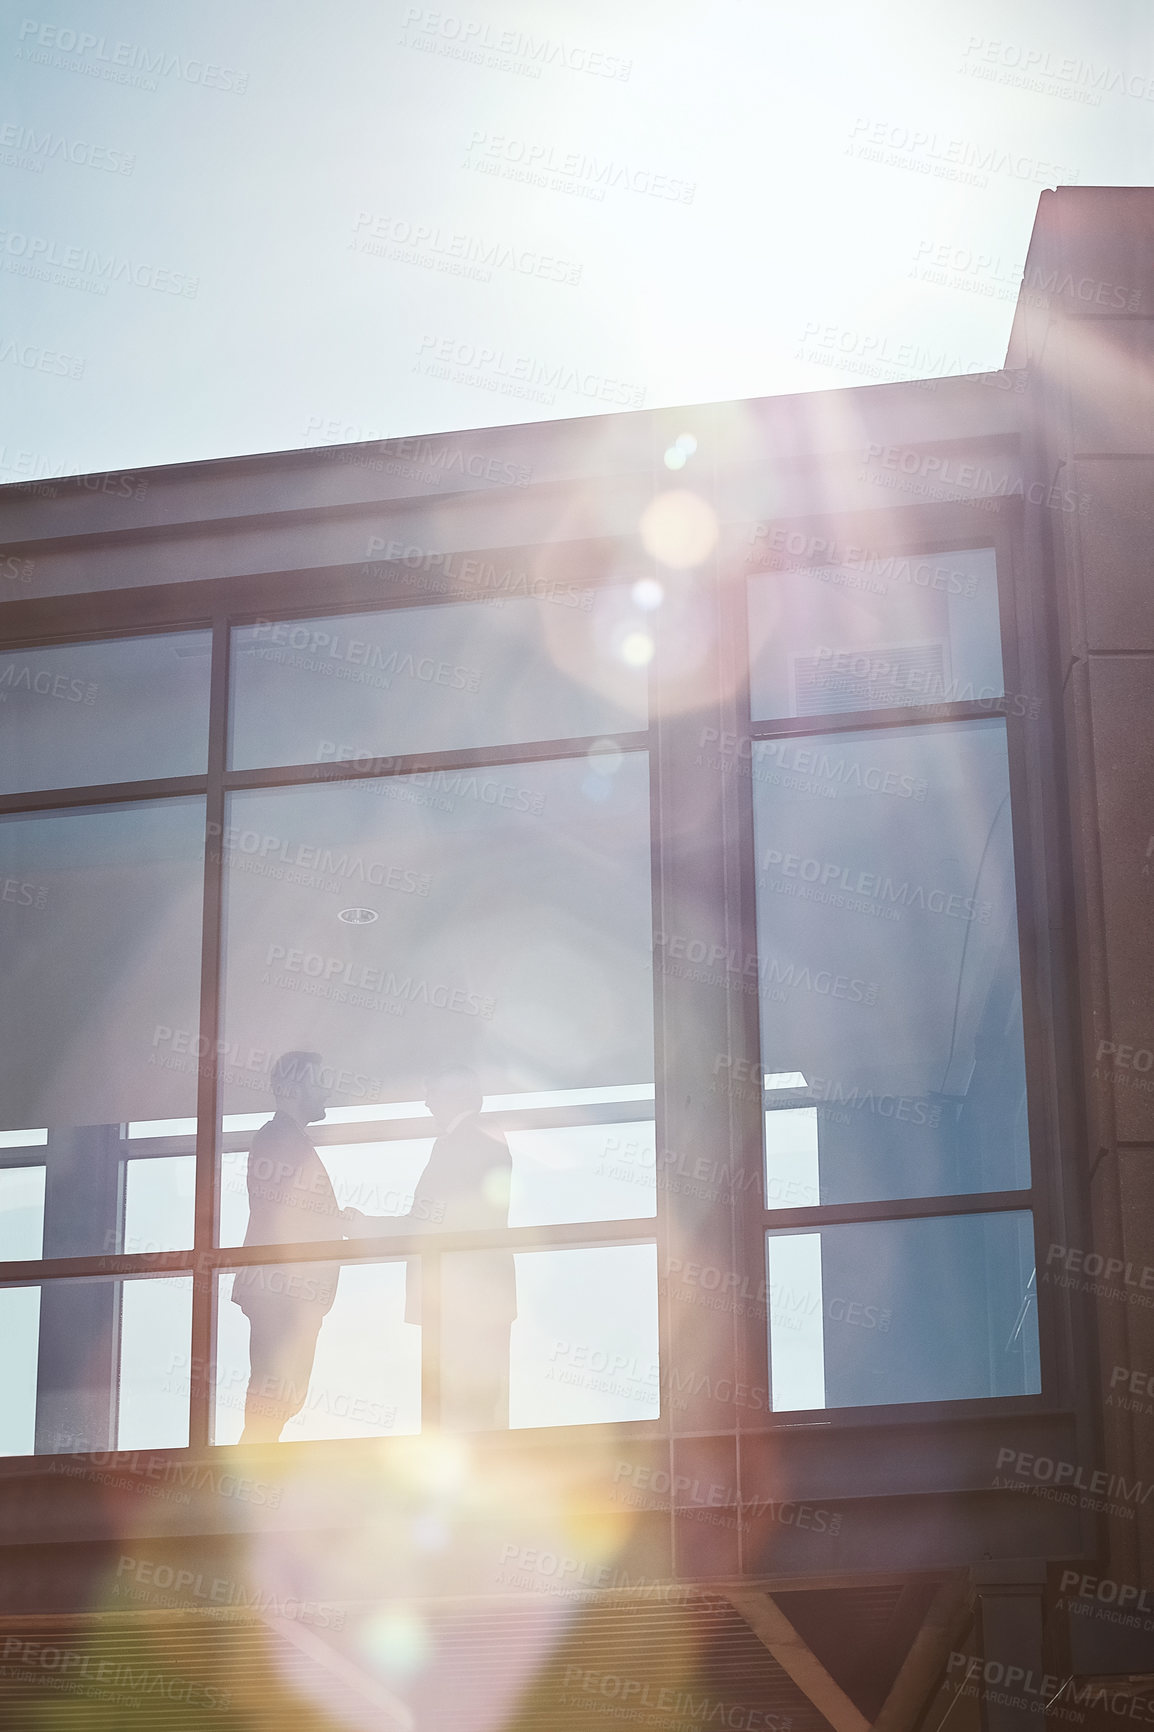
<point x="290" y="1200"/>
<point x="464" y="1187"/>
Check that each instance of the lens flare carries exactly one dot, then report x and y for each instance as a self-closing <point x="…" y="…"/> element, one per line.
<point x="637" y="649"/>
<point x="605" y="758"/>
<point x="397" y="1641"/>
<point x="679" y="453"/>
<point x="441" y="1463"/>
<point x="679" y="529"/>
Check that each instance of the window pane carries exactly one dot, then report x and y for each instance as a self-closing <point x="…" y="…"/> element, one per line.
<point x="335" y="1356"/>
<point x="115" y="711"/>
<point x="869" y="1313"/>
<point x="103" y="960"/>
<point x="19" y="1348"/>
<point x="94" y="1365"/>
<point x="21" y="1213"/>
<point x="604" y="1172"/>
<point x="582" y="1348"/>
<point x="156" y="1317"/>
<point x="159" y="1203"/>
<point x="511" y="934"/>
<point x="888" y="630"/>
<point x="888" y="967"/>
<point x="431" y="679"/>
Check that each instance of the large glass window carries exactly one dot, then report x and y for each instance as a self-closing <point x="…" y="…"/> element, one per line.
<point x="487" y="924"/>
<point x="886" y="631"/>
<point x="492" y="922"/>
<point x="502" y="914"/>
<point x="433" y="679"/>
<point x="95" y="1365"/>
<point x="364" y="1378"/>
<point x="357" y="1019"/>
<point x="582" y="1348"/>
<point x="77" y="714"/>
<point x="888" y="957"/>
<point x="889" y="986"/>
<point x="868" y="1313"/>
<point x="102" y="957"/>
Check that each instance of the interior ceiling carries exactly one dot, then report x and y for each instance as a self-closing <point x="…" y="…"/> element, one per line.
<point x="519" y="1667"/>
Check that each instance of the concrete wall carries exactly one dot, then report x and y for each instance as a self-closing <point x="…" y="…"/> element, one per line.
<point x="1088" y="344"/>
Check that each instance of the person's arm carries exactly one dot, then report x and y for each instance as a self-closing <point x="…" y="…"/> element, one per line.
<point x="417" y="1219"/>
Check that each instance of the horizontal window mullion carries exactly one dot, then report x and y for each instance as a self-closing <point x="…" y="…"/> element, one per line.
<point x="383" y="1131"/>
<point x="365" y="598"/>
<point x="104" y="794"/>
<point x="421" y="763"/>
<point x="899" y="1209"/>
<point x="638" y="1230"/>
<point x="52" y="635"/>
<point x="858" y="721"/>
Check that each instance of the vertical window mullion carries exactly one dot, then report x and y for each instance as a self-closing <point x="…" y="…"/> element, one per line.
<point x="744" y="1101"/>
<point x="431" y="1352"/>
<point x="208" y="1083"/>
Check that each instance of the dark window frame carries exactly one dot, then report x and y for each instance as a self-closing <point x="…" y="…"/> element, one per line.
<point x="231" y="608"/>
<point x="1032" y="760"/>
<point x="1033" y="749"/>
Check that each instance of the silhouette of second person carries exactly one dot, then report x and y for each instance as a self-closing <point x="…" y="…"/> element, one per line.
<point x="464" y="1188"/>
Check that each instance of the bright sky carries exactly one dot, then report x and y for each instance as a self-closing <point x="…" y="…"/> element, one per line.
<point x="267" y="228"/>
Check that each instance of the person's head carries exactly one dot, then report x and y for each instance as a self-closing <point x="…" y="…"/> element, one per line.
<point x="297" y="1087"/>
<point x="451" y="1091"/>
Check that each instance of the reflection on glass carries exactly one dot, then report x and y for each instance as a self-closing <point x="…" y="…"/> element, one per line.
<point x="888" y="967"/>
<point x="503" y="920"/>
<point x="102" y="956"/>
<point x="359" y="1375"/>
<point x="888" y="631"/>
<point x="938" y="1309"/>
<point x="120" y="710"/>
<point x="95" y="1365"/>
<point x="432" y="679"/>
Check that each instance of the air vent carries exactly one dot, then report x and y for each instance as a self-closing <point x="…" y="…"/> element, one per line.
<point x="881" y="677"/>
